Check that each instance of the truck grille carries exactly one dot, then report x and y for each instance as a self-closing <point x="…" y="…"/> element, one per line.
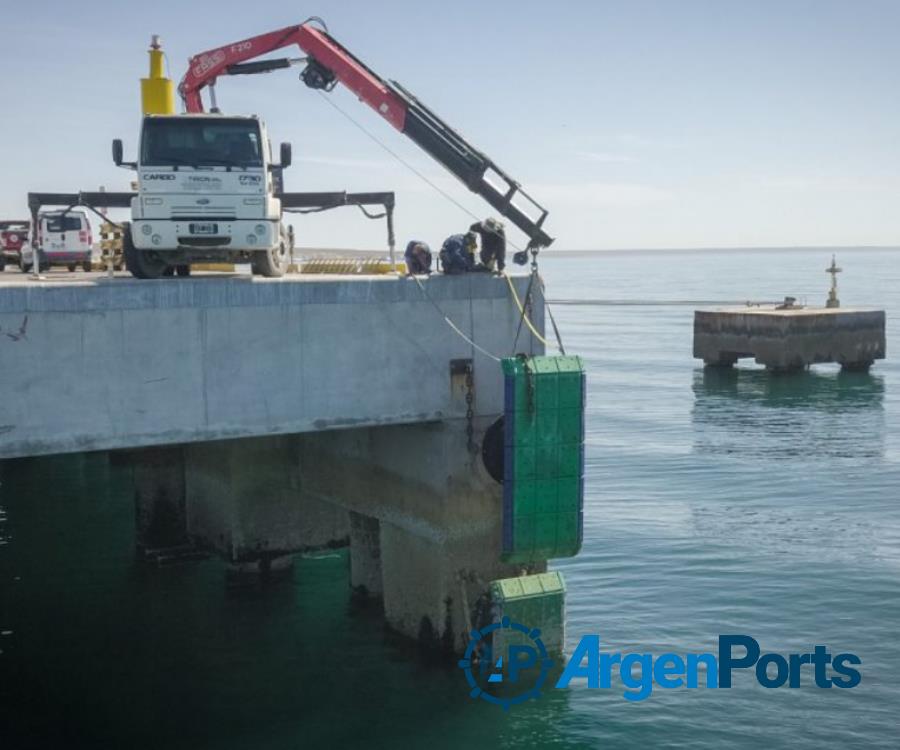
<point x="220" y="213"/>
<point x="204" y="241"/>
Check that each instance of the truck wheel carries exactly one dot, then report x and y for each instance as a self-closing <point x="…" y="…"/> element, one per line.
<point x="86" y="266"/>
<point x="142" y="264"/>
<point x="72" y="267"/>
<point x="2" y="263"/>
<point x="44" y="262"/>
<point x="271" y="263"/>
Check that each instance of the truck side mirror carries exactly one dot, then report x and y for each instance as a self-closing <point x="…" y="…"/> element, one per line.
<point x="285" y="155"/>
<point x="117" y="152"/>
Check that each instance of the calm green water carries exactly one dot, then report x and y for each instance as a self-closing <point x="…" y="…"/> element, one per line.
<point x="741" y="503"/>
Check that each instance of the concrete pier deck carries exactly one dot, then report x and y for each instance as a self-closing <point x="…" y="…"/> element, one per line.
<point x="790" y="338"/>
<point x="90" y="363"/>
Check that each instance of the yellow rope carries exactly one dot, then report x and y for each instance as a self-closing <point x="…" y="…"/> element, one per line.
<point x="522" y="311"/>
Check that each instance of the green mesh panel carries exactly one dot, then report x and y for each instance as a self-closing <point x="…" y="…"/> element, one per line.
<point x="543" y="483"/>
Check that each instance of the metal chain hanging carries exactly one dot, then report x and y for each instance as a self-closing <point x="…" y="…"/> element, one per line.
<point x="470" y="409"/>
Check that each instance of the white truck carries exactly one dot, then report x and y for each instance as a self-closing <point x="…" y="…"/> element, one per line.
<point x="206" y="192"/>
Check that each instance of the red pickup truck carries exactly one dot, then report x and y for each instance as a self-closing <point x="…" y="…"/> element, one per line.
<point x="13" y="234"/>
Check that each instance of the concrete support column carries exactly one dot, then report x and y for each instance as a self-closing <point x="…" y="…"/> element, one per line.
<point x="436" y="590"/>
<point x="439" y="516"/>
<point x="159" y="496"/>
<point x="246" y="502"/>
<point x="720" y="359"/>
<point x="365" y="555"/>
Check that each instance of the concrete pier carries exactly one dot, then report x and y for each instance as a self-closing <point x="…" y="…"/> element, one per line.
<point x="365" y="555"/>
<point x="791" y="338"/>
<point x="266" y="417"/>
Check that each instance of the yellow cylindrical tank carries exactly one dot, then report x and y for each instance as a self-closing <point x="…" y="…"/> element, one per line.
<point x="157" y="91"/>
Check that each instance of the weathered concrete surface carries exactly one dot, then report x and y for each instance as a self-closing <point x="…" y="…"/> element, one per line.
<point x="286" y="406"/>
<point x="790" y="339"/>
<point x="365" y="555"/>
<point x="246" y="500"/>
<point x="439" y="518"/>
<point x="120" y="363"/>
<point x="159" y="495"/>
<point x="422" y="515"/>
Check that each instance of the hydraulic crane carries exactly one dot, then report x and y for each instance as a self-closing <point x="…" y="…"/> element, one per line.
<point x="328" y="63"/>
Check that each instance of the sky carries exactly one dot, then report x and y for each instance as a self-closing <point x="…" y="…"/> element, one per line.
<point x="637" y="124"/>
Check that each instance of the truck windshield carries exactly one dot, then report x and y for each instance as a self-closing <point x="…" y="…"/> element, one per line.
<point x="201" y="142"/>
<point x="71" y="223"/>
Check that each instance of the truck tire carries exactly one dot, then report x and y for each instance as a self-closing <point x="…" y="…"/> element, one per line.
<point x="271" y="263"/>
<point x="72" y="267"/>
<point x="44" y="262"/>
<point x="2" y="263"/>
<point x="86" y="266"/>
<point x="142" y="264"/>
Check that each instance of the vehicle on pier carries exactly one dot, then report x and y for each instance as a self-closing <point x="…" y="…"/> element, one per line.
<point x="65" y="240"/>
<point x="206" y="193"/>
<point x="13" y="234"/>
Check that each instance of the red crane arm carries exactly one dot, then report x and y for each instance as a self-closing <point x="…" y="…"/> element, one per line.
<point x="329" y="62"/>
<point x="203" y="69"/>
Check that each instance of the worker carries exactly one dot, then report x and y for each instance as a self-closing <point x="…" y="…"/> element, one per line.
<point x="458" y="253"/>
<point x="493" y="244"/>
<point x="418" y="258"/>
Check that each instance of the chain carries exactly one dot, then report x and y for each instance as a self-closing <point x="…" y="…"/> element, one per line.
<point x="529" y="383"/>
<point x="470" y="411"/>
<point x="535" y="276"/>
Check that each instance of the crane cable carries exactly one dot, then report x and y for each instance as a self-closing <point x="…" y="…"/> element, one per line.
<point x="406" y="164"/>
<point x="559" y="342"/>
<point x="524" y="319"/>
<point x="453" y="325"/>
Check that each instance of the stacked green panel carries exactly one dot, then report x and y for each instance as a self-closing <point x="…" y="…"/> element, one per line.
<point x="543" y="483"/>
<point x="536" y="601"/>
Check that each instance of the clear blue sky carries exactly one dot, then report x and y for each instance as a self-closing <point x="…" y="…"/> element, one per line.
<point x="639" y="124"/>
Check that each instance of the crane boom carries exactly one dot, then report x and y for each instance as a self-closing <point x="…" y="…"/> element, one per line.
<point x="328" y="63"/>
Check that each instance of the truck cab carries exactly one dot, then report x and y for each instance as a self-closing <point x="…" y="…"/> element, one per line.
<point x="206" y="193"/>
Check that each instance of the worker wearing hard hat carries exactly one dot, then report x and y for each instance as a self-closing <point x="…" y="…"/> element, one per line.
<point x="493" y="243"/>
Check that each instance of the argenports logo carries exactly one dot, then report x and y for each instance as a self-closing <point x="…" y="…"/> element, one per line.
<point x="527" y="666"/>
<point x="530" y="658"/>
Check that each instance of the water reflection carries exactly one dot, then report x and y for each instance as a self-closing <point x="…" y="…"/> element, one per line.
<point x="758" y="413"/>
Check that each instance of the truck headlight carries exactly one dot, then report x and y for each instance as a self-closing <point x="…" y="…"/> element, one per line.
<point x="146" y="229"/>
<point x="156" y="239"/>
<point x="251" y="239"/>
<point x="260" y="229"/>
